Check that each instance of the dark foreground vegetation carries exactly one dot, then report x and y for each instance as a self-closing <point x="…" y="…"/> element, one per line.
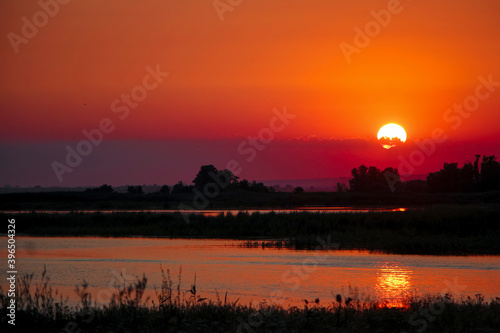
<point x="177" y="310"/>
<point x="446" y="229"/>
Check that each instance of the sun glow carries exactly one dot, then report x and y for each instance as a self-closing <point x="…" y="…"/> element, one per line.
<point x="391" y="135"/>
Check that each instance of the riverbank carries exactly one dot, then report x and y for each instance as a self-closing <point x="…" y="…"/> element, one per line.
<point x="436" y="230"/>
<point x="237" y="199"/>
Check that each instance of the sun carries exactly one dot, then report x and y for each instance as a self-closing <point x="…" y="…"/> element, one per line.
<point x="391" y="135"/>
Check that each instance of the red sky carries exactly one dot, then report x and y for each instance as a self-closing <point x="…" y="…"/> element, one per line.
<point x="226" y="77"/>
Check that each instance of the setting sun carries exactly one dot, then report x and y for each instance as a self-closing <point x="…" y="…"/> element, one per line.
<point x="391" y="135"/>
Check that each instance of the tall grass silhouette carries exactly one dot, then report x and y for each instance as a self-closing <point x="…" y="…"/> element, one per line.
<point x="176" y="309"/>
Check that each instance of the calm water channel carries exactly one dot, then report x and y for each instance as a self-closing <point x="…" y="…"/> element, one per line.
<point x="215" y="212"/>
<point x="250" y="274"/>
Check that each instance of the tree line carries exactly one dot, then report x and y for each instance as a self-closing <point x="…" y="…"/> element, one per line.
<point x="208" y="175"/>
<point x="481" y="175"/>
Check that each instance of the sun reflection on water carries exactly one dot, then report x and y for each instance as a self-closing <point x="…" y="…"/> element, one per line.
<point x="394" y="284"/>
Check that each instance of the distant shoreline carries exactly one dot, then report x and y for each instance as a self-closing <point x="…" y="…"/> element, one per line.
<point x="436" y="230"/>
<point x="235" y="200"/>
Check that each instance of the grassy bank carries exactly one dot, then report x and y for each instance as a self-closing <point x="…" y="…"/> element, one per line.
<point x="449" y="229"/>
<point x="175" y="309"/>
<point x="237" y="199"/>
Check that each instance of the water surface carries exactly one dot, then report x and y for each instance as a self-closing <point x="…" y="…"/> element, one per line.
<point x="250" y="274"/>
<point x="215" y="212"/>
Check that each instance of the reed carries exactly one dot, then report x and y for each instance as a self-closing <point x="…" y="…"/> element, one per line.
<point x="445" y="230"/>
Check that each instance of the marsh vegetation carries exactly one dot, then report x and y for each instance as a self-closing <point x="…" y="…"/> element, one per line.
<point x="176" y="308"/>
<point x="445" y="229"/>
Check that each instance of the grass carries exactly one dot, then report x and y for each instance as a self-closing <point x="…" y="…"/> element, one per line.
<point x="439" y="230"/>
<point x="177" y="310"/>
<point x="233" y="200"/>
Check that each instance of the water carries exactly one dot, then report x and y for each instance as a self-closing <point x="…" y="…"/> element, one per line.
<point x="215" y="212"/>
<point x="251" y="275"/>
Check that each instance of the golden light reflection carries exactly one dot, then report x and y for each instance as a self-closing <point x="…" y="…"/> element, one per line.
<point x="393" y="284"/>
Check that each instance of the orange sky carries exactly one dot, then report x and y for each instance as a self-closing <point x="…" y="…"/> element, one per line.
<point x="225" y="77"/>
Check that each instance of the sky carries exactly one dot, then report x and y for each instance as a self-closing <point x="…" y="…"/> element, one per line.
<point x="147" y="92"/>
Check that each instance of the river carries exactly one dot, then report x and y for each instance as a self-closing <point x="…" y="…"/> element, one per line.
<point x="216" y="212"/>
<point x="252" y="275"/>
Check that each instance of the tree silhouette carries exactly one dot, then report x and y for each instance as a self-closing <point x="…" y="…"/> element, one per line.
<point x="341" y="187"/>
<point x="165" y="189"/>
<point x="102" y="189"/>
<point x="298" y="189"/>
<point x="205" y="176"/>
<point x="135" y="189"/>
<point x="476" y="167"/>
<point x="244" y="185"/>
<point x="372" y="179"/>
<point x="490" y="174"/>
<point x="228" y="177"/>
<point x="451" y="178"/>
<point x="258" y="187"/>
<point x="444" y="180"/>
<point x="180" y="188"/>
